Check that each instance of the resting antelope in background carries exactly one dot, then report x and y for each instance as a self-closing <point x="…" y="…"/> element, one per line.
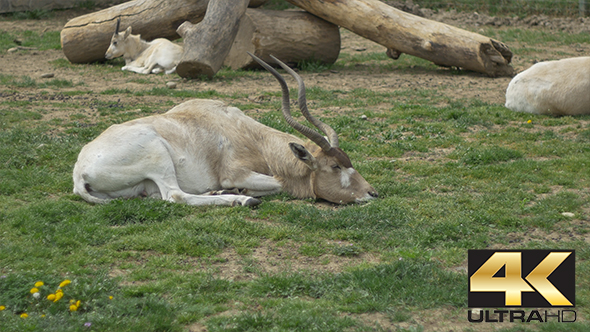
<point x="202" y="146"/>
<point x="144" y="57"/>
<point x="560" y="87"/>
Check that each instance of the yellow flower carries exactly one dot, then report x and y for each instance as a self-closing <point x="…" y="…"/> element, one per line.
<point x="2" y="307"/>
<point x="78" y="303"/>
<point x="73" y="307"/>
<point x="39" y="284"/>
<point x="34" y="290"/>
<point x="24" y="315"/>
<point x="51" y="297"/>
<point x="530" y="121"/>
<point x="58" y="296"/>
<point x="110" y="297"/>
<point x="59" y="291"/>
<point x="64" y="283"/>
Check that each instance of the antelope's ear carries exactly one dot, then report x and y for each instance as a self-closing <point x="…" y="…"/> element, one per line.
<point x="127" y="32"/>
<point x="302" y="154"/>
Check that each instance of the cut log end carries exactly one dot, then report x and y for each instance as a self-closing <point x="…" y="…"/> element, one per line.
<point x="497" y="58"/>
<point x="502" y="71"/>
<point x="184" y="28"/>
<point x="194" y="69"/>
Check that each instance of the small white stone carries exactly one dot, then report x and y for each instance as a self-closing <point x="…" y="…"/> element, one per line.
<point x="568" y="214"/>
<point x="171" y="85"/>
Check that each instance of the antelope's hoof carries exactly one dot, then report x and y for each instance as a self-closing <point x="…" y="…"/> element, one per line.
<point x="251" y="202"/>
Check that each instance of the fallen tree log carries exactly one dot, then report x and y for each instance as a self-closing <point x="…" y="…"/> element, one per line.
<point x="207" y="43"/>
<point x="402" y="32"/>
<point x="86" y="38"/>
<point x="11" y="6"/>
<point x="291" y="36"/>
<point x="256" y="3"/>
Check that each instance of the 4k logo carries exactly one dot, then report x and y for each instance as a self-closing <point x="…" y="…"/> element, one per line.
<point x="521" y="278"/>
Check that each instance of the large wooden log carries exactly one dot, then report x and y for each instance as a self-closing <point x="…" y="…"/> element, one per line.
<point x="10" y="6"/>
<point x="207" y="44"/>
<point x="402" y="32"/>
<point x="86" y="38"/>
<point x="292" y="36"/>
<point x="256" y="3"/>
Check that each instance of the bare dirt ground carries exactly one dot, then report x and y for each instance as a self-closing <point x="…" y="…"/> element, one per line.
<point x="269" y="257"/>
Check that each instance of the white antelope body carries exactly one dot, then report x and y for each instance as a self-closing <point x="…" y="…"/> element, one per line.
<point x="559" y="87"/>
<point x="141" y="56"/>
<point x="201" y="147"/>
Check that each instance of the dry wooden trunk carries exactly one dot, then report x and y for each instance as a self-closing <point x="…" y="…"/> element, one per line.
<point x="291" y="36"/>
<point x="207" y="44"/>
<point x="402" y="32"/>
<point x="9" y="6"/>
<point x="256" y="3"/>
<point x="86" y="38"/>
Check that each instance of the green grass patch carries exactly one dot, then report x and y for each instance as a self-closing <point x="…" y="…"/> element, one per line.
<point x="507" y="7"/>
<point x="49" y="40"/>
<point x="452" y="175"/>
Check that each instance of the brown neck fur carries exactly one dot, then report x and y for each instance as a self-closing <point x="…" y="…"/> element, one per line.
<point x="294" y="176"/>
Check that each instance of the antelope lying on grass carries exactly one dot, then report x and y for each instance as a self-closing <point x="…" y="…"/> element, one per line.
<point x="552" y="88"/>
<point x="203" y="146"/>
<point x="144" y="57"/>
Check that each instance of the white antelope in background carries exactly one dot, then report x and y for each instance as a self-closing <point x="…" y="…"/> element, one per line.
<point x="559" y="87"/>
<point x="144" y="57"/>
<point x="201" y="147"/>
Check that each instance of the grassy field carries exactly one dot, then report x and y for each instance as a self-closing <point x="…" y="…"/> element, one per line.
<point x="508" y="7"/>
<point x="452" y="175"/>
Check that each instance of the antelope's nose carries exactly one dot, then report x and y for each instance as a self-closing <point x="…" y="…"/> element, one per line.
<point x="373" y="193"/>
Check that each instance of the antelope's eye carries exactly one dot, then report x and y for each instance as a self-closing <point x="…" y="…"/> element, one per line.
<point x="335" y="167"/>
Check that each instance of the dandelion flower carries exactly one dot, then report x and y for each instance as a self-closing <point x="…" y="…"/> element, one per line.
<point x="24" y="315"/>
<point x="64" y="283"/>
<point x="78" y="303"/>
<point x="110" y="297"/>
<point x="39" y="284"/>
<point x="2" y="307"/>
<point x="37" y="295"/>
<point x="529" y="121"/>
<point x="73" y="307"/>
<point x="51" y="297"/>
<point x="58" y="296"/>
<point x="34" y="290"/>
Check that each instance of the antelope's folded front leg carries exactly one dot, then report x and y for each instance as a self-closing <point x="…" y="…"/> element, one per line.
<point x="255" y="185"/>
<point x="233" y="191"/>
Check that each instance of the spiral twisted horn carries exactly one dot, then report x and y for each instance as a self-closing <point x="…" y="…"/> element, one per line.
<point x="313" y="135"/>
<point x="302" y="102"/>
